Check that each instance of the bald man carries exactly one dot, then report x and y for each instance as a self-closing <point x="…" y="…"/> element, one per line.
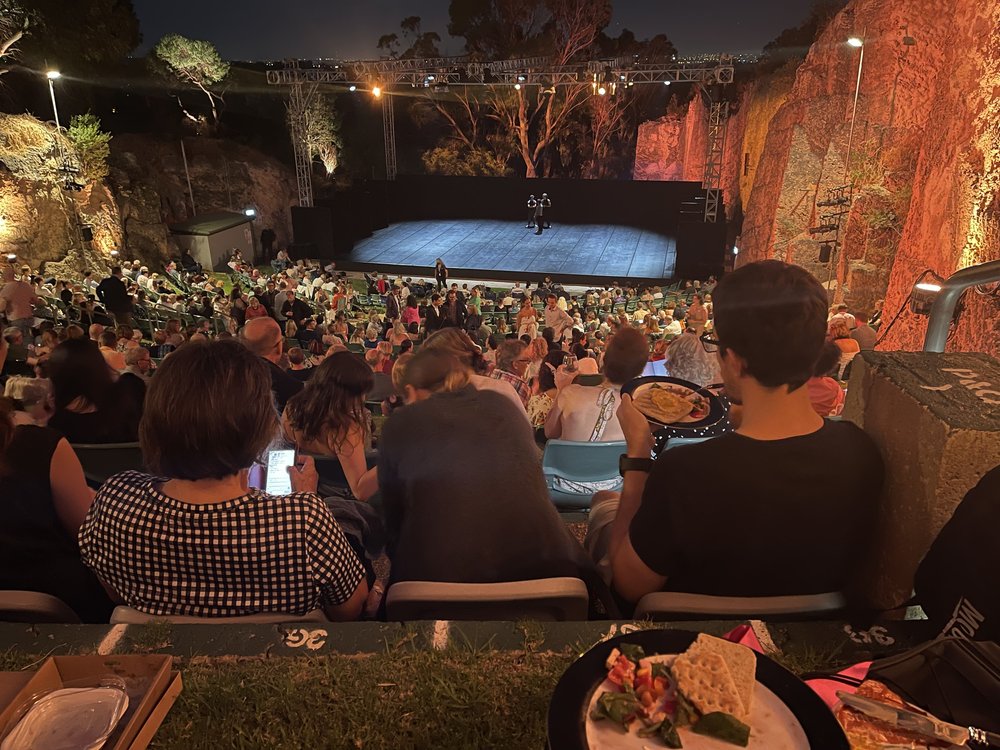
<point x="263" y="337"/>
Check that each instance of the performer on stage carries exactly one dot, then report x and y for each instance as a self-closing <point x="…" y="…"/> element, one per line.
<point x="539" y="217"/>
<point x="441" y="273"/>
<point x="546" y="204"/>
<point x="532" y="205"/>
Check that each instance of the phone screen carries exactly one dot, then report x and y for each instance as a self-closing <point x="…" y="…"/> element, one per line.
<point x="278" y="482"/>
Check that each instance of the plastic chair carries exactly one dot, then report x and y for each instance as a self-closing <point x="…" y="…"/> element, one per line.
<point x="579" y="462"/>
<point x="103" y="460"/>
<point x="667" y="605"/>
<point x="544" y="599"/>
<point x="35" y="607"/>
<point x="123" y="615"/>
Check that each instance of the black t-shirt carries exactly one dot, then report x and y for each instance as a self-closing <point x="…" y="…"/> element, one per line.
<point x="283" y="385"/>
<point x="36" y="552"/>
<point x="735" y="516"/>
<point x="956" y="582"/>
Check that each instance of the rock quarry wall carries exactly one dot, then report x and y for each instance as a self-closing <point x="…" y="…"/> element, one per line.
<point x="925" y="160"/>
<point x="145" y="191"/>
<point x="925" y="157"/>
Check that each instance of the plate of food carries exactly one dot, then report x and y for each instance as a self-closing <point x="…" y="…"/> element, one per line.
<point x="672" y="402"/>
<point x="679" y="689"/>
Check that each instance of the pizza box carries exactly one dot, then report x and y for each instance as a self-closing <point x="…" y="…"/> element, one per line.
<point x="151" y="685"/>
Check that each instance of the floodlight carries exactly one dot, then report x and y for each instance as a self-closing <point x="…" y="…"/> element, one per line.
<point x="517" y="87"/>
<point x="11" y="257"/>
<point x="352" y="87"/>
<point x="856" y="41"/>
<point x="376" y="91"/>
<point x="736" y="250"/>
<point x="922" y="297"/>
<point x="53" y="75"/>
<point x="114" y="253"/>
<point x="601" y="91"/>
<point x="251" y="212"/>
<point x="666" y="83"/>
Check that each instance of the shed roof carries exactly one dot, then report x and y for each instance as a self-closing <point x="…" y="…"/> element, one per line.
<point x="210" y="223"/>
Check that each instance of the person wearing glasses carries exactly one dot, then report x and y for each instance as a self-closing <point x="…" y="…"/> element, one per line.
<point x="694" y="358"/>
<point x="763" y="510"/>
<point x="513" y="358"/>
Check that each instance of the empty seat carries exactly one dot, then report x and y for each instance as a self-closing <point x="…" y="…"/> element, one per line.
<point x="566" y="463"/>
<point x="545" y="599"/>
<point x="667" y="605"/>
<point x="103" y="460"/>
<point x="35" y="607"/>
<point x="128" y="616"/>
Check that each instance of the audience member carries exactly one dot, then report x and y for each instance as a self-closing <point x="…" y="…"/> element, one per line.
<point x="299" y="366"/>
<point x="209" y="545"/>
<point x="513" y="359"/>
<point x="109" y="350"/>
<point x="684" y="524"/>
<point x="586" y="413"/>
<point x="689" y="358"/>
<point x="540" y="404"/>
<point x="262" y="336"/>
<point x="825" y="393"/>
<point x="329" y="418"/>
<point x="31" y="399"/>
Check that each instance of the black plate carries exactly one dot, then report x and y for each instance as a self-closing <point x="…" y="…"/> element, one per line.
<point x="716" y="411"/>
<point x="567" y="721"/>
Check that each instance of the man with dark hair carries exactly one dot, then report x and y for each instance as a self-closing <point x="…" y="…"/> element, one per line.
<point x="294" y="309"/>
<point x="785" y="505"/>
<point x="434" y="318"/>
<point x="115" y="297"/>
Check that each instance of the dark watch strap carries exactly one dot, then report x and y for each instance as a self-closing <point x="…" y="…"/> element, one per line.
<point x="626" y="463"/>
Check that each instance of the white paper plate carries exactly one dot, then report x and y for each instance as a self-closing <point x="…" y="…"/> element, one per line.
<point x="69" y="719"/>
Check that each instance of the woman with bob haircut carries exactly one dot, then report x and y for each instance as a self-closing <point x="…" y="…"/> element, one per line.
<point x="194" y="538"/>
<point x="328" y="417"/>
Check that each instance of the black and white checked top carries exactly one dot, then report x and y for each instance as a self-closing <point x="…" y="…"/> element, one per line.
<point x="256" y="553"/>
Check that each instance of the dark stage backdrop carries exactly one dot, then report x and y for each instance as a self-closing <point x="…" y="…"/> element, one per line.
<point x="341" y="219"/>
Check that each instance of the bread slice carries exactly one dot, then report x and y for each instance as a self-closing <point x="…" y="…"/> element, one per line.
<point x="704" y="679"/>
<point x="739" y="659"/>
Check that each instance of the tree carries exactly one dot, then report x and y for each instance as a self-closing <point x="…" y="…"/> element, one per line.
<point x="196" y="63"/>
<point x="321" y="130"/>
<point x="422" y="43"/>
<point x="14" y="22"/>
<point x="91" y="145"/>
<point x="77" y="36"/>
<point x="459" y="160"/>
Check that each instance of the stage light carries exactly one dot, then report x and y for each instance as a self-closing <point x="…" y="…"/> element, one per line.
<point x="601" y="91"/>
<point x="52" y="75"/>
<point x="666" y="83"/>
<point x="250" y="212"/>
<point x="736" y="250"/>
<point x="922" y="297"/>
<point x="856" y="41"/>
<point x="376" y="91"/>
<point x="11" y="257"/>
<point x="517" y="87"/>
<point x="352" y="87"/>
<point x="114" y="253"/>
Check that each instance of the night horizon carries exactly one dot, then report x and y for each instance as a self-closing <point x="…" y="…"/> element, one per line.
<point x="309" y="29"/>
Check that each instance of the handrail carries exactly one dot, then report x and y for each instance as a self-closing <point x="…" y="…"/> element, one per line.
<point x="952" y="288"/>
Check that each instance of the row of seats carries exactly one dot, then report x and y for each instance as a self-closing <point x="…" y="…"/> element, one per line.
<point x="544" y="600"/>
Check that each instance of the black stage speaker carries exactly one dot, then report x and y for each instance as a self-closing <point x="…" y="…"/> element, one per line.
<point x="825" y="250"/>
<point x="313" y="225"/>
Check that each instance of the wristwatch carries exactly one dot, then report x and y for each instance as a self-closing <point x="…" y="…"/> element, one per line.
<point x="626" y="463"/>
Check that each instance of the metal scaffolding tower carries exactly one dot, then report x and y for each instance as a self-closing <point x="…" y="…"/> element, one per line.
<point x="718" y="118"/>
<point x="441" y="72"/>
<point x="389" y="130"/>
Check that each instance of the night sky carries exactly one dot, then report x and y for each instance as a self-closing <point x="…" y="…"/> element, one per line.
<point x="265" y="29"/>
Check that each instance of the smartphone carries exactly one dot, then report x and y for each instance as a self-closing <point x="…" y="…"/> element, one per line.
<point x="273" y="477"/>
<point x="570" y="363"/>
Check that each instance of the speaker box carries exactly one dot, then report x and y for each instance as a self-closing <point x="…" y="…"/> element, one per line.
<point x="825" y="250"/>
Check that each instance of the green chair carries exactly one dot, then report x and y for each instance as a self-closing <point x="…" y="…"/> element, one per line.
<point x="566" y="461"/>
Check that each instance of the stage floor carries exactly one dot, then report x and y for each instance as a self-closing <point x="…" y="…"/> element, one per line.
<point x="484" y="248"/>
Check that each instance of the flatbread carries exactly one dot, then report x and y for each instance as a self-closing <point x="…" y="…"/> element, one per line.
<point x="739" y="659"/>
<point x="662" y="404"/>
<point x="704" y="679"/>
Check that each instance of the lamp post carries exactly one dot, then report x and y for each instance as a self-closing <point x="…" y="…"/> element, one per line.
<point x="858" y="42"/>
<point x="55" y="75"/>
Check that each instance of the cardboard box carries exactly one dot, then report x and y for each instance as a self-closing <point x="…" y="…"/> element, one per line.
<point x="152" y="689"/>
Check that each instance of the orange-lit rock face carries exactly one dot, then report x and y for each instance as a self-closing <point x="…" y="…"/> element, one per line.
<point x="673" y="147"/>
<point x="925" y="160"/>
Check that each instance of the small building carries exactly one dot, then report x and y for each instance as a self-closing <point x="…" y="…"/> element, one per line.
<point x="211" y="238"/>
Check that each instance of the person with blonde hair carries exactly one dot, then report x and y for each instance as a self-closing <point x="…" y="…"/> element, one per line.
<point x="31" y="398"/>
<point x="457" y="343"/>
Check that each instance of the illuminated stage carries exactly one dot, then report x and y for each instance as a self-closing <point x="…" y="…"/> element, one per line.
<point x="489" y="248"/>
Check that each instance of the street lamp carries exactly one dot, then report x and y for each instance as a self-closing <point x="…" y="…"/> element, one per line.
<point x="54" y="75"/>
<point x="858" y="42"/>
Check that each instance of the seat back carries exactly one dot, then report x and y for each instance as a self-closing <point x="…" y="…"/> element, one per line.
<point x="667" y="605"/>
<point x="35" y="607"/>
<point x="567" y="461"/>
<point x="123" y="615"/>
<point x="545" y="599"/>
<point x="101" y="461"/>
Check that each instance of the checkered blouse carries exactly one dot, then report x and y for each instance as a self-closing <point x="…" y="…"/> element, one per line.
<point x="256" y="553"/>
